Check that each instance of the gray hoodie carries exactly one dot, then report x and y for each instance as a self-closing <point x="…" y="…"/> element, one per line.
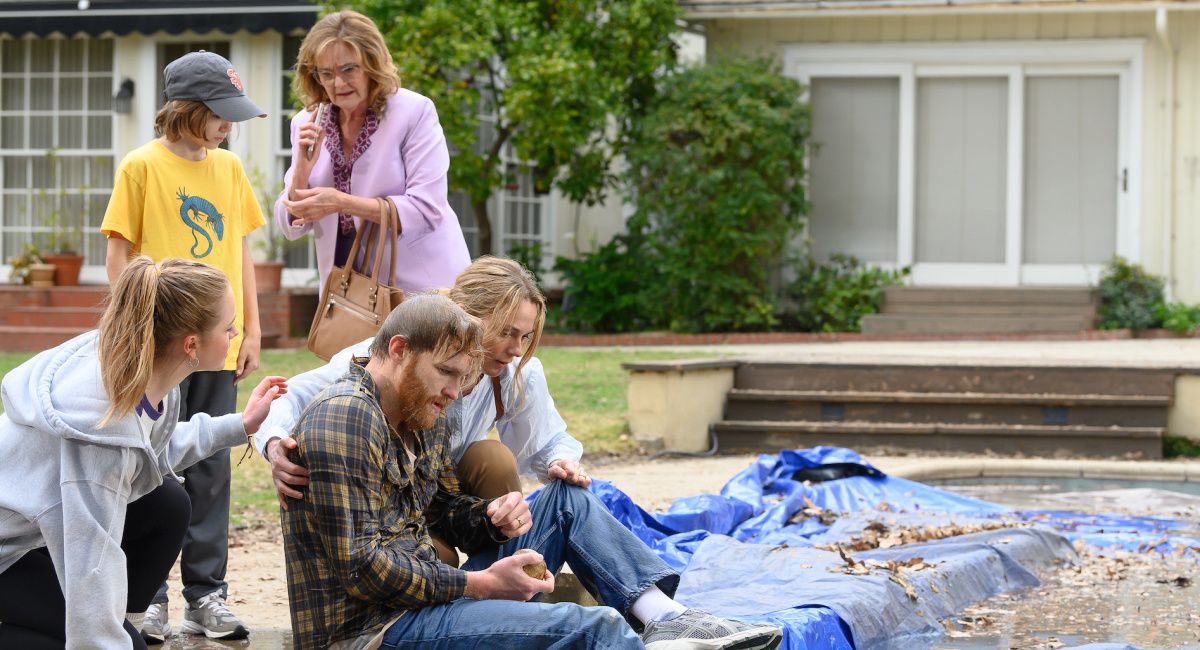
<point x="65" y="483"/>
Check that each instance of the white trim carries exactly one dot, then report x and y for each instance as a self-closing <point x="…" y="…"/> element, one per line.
<point x="1023" y="52"/>
<point x="954" y="274"/>
<point x="1014" y="195"/>
<point x="906" y="190"/>
<point x="1061" y="274"/>
<point x="898" y="8"/>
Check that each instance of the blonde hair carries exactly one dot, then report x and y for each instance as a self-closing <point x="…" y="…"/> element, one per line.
<point x="496" y="287"/>
<point x="431" y="323"/>
<point x="182" y="116"/>
<point x="151" y="306"/>
<point x="361" y="35"/>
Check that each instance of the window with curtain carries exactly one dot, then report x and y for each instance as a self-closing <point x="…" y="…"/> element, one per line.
<point x="56" y="143"/>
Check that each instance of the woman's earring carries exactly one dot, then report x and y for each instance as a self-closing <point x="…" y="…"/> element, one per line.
<point x="194" y="362"/>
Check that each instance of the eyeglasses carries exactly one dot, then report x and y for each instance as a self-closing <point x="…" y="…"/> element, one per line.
<point x="345" y="73"/>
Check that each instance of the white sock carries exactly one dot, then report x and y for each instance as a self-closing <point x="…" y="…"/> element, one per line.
<point x="654" y="605"/>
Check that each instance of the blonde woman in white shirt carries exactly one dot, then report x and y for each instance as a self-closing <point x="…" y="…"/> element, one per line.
<point x="512" y="395"/>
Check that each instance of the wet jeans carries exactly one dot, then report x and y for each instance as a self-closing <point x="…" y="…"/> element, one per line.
<point x="569" y="525"/>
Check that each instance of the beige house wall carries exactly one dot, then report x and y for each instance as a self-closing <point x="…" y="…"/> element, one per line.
<point x="769" y="36"/>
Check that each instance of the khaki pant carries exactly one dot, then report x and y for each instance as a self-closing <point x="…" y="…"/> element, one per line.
<point x="487" y="470"/>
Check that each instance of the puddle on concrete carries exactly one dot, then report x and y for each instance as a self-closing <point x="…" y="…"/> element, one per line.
<point x="268" y="639"/>
<point x="1147" y="599"/>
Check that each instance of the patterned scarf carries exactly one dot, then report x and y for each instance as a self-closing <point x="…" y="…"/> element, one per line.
<point x="341" y="165"/>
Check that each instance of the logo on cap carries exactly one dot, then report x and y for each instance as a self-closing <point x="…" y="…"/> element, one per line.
<point x="235" y="79"/>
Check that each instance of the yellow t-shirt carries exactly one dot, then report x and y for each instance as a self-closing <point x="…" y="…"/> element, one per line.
<point x="167" y="206"/>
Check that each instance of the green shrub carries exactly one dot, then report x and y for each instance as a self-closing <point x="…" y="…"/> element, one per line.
<point x="1180" y="447"/>
<point x="1129" y="297"/>
<point x="833" y="296"/>
<point x="716" y="170"/>
<point x="607" y="290"/>
<point x="1179" y="317"/>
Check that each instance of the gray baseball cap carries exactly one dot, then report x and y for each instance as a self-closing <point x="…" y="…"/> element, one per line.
<point x="210" y="78"/>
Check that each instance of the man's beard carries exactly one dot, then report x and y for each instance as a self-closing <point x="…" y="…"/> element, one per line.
<point x="415" y="401"/>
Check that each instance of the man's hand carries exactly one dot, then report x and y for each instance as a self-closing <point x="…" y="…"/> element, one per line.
<point x="286" y="474"/>
<point x="510" y="514"/>
<point x="507" y="580"/>
<point x="568" y="471"/>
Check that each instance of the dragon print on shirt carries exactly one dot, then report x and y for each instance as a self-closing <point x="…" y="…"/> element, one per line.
<point x="190" y="210"/>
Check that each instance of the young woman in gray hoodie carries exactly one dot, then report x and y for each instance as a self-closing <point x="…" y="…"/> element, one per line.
<point x="88" y="526"/>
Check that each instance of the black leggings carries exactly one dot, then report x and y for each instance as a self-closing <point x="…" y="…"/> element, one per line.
<point x="32" y="608"/>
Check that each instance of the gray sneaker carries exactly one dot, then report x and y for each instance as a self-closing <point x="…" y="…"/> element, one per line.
<point x="699" y="630"/>
<point x="155" y="628"/>
<point x="209" y="616"/>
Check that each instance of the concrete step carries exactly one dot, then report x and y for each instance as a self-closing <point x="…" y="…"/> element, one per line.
<point x="960" y="310"/>
<point x="886" y="323"/>
<point x="972" y="378"/>
<point x="1081" y="296"/>
<point x="35" y="339"/>
<point x="72" y="317"/>
<point x="1057" y="441"/>
<point x="968" y="408"/>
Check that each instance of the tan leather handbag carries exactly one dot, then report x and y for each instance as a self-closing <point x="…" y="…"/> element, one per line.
<point x="355" y="303"/>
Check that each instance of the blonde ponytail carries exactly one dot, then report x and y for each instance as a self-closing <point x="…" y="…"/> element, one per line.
<point x="151" y="306"/>
<point x="496" y="287"/>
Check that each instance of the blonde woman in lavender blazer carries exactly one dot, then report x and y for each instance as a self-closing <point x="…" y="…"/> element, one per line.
<point x="374" y="139"/>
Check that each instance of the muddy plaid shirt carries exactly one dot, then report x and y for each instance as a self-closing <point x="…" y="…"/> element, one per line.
<point x="357" y="546"/>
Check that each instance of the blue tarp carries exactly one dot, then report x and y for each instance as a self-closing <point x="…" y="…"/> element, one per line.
<point x="750" y="552"/>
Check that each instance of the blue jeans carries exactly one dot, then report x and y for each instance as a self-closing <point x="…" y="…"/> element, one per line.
<point x="569" y="525"/>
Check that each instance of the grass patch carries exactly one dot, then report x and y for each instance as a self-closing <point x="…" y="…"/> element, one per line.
<point x="588" y="385"/>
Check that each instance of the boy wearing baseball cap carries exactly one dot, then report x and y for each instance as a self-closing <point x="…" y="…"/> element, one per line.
<point x="180" y="195"/>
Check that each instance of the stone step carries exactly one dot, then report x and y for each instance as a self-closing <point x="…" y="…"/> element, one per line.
<point x="970" y="408"/>
<point x="954" y="310"/>
<point x="885" y="323"/>
<point x="1032" y="440"/>
<point x="70" y="317"/>
<point x="955" y="378"/>
<point x="1082" y="296"/>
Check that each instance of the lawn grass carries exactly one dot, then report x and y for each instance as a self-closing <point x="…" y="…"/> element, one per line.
<point x="588" y="385"/>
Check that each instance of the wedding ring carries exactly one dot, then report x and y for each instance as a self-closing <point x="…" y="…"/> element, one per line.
<point x="519" y="523"/>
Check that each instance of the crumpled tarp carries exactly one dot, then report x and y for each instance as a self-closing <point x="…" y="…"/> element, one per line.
<point x="750" y="552"/>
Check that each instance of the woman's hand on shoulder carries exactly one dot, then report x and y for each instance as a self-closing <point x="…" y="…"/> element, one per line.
<point x="259" y="405"/>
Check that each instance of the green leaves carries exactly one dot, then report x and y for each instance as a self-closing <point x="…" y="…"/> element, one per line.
<point x="1129" y="297"/>
<point x="563" y="78"/>
<point x="715" y="168"/>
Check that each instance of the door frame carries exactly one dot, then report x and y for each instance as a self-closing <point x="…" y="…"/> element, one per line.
<point x="1015" y="60"/>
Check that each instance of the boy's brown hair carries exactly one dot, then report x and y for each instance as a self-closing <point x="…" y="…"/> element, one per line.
<point x="180" y="117"/>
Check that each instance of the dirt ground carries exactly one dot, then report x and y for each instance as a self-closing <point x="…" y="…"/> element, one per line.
<point x="1136" y="597"/>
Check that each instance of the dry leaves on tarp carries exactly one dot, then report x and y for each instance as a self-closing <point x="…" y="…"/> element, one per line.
<point x="813" y="511"/>
<point x="878" y="535"/>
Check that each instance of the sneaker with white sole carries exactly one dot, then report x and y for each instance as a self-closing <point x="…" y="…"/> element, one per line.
<point x="155" y="628"/>
<point x="698" y="630"/>
<point x="208" y="615"/>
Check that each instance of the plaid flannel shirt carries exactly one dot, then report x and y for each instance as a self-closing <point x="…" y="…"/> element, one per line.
<point x="357" y="545"/>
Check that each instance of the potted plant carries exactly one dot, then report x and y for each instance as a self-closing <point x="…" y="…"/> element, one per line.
<point x="268" y="271"/>
<point x="65" y="243"/>
<point x="29" y="268"/>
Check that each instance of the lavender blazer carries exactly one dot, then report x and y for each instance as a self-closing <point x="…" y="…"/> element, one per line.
<point x="407" y="162"/>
